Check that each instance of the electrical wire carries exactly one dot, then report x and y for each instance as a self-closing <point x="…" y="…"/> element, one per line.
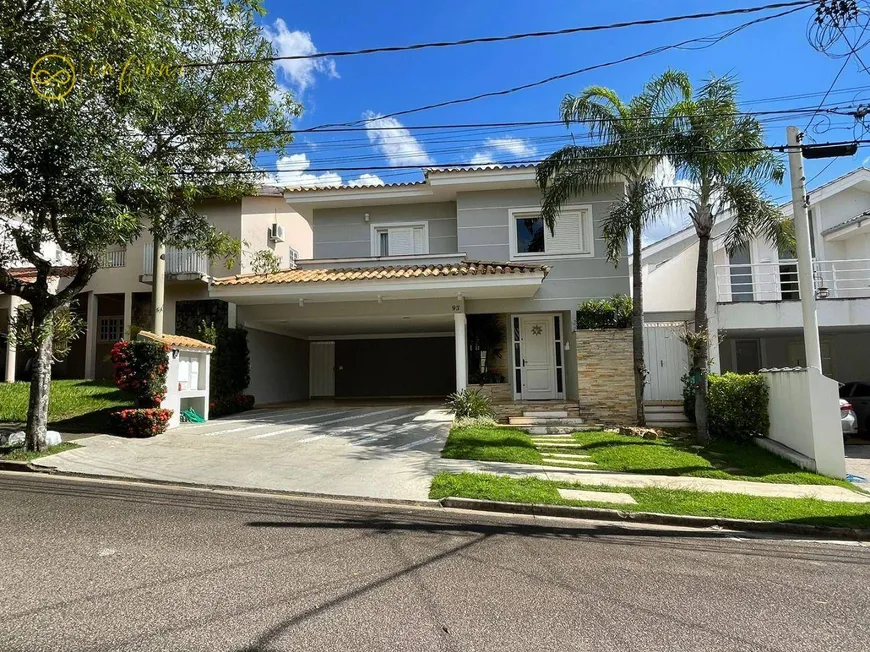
<point x="802" y="4"/>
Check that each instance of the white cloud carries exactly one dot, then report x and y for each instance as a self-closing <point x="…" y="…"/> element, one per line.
<point x="395" y="142"/>
<point x="366" y="179"/>
<point x="516" y="149"/>
<point x="293" y="173"/>
<point x="300" y="72"/>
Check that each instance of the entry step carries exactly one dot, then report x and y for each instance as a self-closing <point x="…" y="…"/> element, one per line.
<point x="546" y="414"/>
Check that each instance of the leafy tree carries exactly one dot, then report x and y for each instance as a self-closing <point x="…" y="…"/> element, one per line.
<point x="718" y="151"/>
<point x="631" y="137"/>
<point x="138" y="137"/>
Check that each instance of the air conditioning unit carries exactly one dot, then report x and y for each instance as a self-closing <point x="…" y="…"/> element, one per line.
<point x="276" y="232"/>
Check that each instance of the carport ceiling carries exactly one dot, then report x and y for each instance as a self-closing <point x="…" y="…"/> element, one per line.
<point x="337" y="326"/>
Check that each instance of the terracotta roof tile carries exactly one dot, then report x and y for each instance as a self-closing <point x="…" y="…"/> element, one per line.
<point x="28" y="274"/>
<point x="463" y="268"/>
<point x="178" y="341"/>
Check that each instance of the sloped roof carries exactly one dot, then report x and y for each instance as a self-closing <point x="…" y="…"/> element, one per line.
<point x="378" y="273"/>
<point x="344" y="186"/>
<point x="177" y="341"/>
<point x="28" y="274"/>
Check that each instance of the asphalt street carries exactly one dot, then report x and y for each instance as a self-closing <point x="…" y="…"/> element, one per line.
<point x="111" y="566"/>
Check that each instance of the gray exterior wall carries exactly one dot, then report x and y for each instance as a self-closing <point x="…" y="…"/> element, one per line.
<point x="344" y="233"/>
<point x="483" y="234"/>
<point x="279" y="367"/>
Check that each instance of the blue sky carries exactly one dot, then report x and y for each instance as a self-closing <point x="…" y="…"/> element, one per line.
<point x="771" y="60"/>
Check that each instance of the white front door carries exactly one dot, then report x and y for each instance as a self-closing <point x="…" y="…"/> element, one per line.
<point x="322" y="369"/>
<point x="538" y="364"/>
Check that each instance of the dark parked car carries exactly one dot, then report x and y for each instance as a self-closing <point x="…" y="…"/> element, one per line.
<point x="858" y="394"/>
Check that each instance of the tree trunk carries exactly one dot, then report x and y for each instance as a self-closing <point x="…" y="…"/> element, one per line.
<point x="700" y="354"/>
<point x="40" y="383"/>
<point x="637" y="323"/>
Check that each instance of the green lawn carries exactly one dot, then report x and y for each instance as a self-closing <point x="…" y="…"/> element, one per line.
<point x="613" y="452"/>
<point x="491" y="444"/>
<point x="76" y="405"/>
<point x="663" y="501"/>
<point x="21" y="455"/>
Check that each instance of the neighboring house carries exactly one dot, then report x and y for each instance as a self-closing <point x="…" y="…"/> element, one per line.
<point x="402" y="273"/>
<point x="118" y="297"/>
<point x="754" y="303"/>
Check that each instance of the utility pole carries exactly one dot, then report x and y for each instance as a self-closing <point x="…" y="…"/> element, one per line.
<point x="158" y="280"/>
<point x="804" y="250"/>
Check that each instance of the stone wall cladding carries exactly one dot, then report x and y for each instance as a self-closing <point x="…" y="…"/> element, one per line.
<point x="497" y="392"/>
<point x="605" y="375"/>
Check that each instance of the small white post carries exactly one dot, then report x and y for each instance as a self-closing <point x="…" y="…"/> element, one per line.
<point x="91" y="338"/>
<point x="128" y="314"/>
<point x="804" y="251"/>
<point x="9" y="375"/>
<point x="459" y="325"/>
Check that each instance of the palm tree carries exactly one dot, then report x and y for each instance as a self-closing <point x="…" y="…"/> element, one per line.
<point x="630" y="140"/>
<point x="720" y="153"/>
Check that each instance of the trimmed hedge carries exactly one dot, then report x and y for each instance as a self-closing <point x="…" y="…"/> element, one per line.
<point x="605" y="313"/>
<point x="140" y="422"/>
<point x="736" y="405"/>
<point x="230" y="405"/>
<point x="230" y="363"/>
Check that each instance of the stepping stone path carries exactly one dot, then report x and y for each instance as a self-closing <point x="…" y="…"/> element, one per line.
<point x="597" y="496"/>
<point x="561" y="441"/>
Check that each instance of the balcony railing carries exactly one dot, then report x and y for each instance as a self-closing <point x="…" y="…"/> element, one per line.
<point x="178" y="261"/>
<point x="116" y="258"/>
<point x="834" y="279"/>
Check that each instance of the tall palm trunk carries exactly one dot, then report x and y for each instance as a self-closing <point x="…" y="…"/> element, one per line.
<point x="700" y="350"/>
<point x="637" y="321"/>
<point x="40" y="382"/>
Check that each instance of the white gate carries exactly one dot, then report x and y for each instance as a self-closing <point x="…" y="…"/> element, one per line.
<point x="667" y="360"/>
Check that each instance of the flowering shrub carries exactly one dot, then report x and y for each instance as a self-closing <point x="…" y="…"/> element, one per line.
<point x="140" y="368"/>
<point x="140" y="422"/>
<point x="230" y="405"/>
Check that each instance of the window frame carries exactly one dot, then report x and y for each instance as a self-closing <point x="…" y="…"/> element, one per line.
<point x="105" y="318"/>
<point x="587" y="231"/>
<point x="376" y="228"/>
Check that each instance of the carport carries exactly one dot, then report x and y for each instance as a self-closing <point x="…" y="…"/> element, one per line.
<point x="391" y="327"/>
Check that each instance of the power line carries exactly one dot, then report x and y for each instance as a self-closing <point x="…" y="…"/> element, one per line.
<point x="510" y="37"/>
<point x="465" y="165"/>
<point x="711" y="41"/>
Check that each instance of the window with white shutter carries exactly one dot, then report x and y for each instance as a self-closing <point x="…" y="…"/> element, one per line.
<point x="399" y="239"/>
<point x="572" y="234"/>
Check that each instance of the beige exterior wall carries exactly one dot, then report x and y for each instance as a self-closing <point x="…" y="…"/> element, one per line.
<point x="605" y="375"/>
<point x="257" y="215"/>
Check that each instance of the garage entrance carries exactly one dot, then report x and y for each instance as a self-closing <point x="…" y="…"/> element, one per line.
<point x="383" y="367"/>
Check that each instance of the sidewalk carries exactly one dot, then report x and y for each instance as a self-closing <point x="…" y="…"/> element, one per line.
<point x="829" y="493"/>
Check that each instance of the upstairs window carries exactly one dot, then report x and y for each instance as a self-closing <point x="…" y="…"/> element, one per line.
<point x="572" y="234"/>
<point x="400" y="239"/>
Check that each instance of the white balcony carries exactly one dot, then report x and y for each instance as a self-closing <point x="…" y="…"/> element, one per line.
<point x="833" y="279"/>
<point x="179" y="262"/>
<point x="765" y="295"/>
<point x="111" y="259"/>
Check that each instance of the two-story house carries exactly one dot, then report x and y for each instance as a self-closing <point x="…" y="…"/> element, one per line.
<point x="401" y="272"/>
<point x="118" y="297"/>
<point x="753" y="298"/>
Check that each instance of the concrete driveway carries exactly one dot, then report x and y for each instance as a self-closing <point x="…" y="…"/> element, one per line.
<point x="379" y="451"/>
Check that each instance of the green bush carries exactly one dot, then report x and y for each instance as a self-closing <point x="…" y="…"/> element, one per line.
<point x="141" y="422"/>
<point x="230" y="363"/>
<point x="689" y="396"/>
<point x="140" y="368"/>
<point x="469" y="403"/>
<point x="737" y="406"/>
<point x="605" y="313"/>
<point x="230" y="405"/>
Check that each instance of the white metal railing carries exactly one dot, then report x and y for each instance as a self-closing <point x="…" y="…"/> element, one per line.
<point x="834" y="279"/>
<point x="117" y="258"/>
<point x="178" y="261"/>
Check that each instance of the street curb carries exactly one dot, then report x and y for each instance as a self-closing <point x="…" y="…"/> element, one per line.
<point x="254" y="491"/>
<point x="13" y="465"/>
<point x="598" y="513"/>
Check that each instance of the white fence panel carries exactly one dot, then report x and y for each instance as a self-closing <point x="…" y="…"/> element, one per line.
<point x="804" y="413"/>
<point x="667" y="360"/>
